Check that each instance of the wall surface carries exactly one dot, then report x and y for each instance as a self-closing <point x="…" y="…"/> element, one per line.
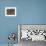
<point x="28" y="12"/>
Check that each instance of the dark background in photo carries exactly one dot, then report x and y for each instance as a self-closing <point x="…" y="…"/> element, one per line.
<point x="11" y="11"/>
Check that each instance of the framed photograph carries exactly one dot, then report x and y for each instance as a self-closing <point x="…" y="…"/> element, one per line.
<point x="10" y="11"/>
